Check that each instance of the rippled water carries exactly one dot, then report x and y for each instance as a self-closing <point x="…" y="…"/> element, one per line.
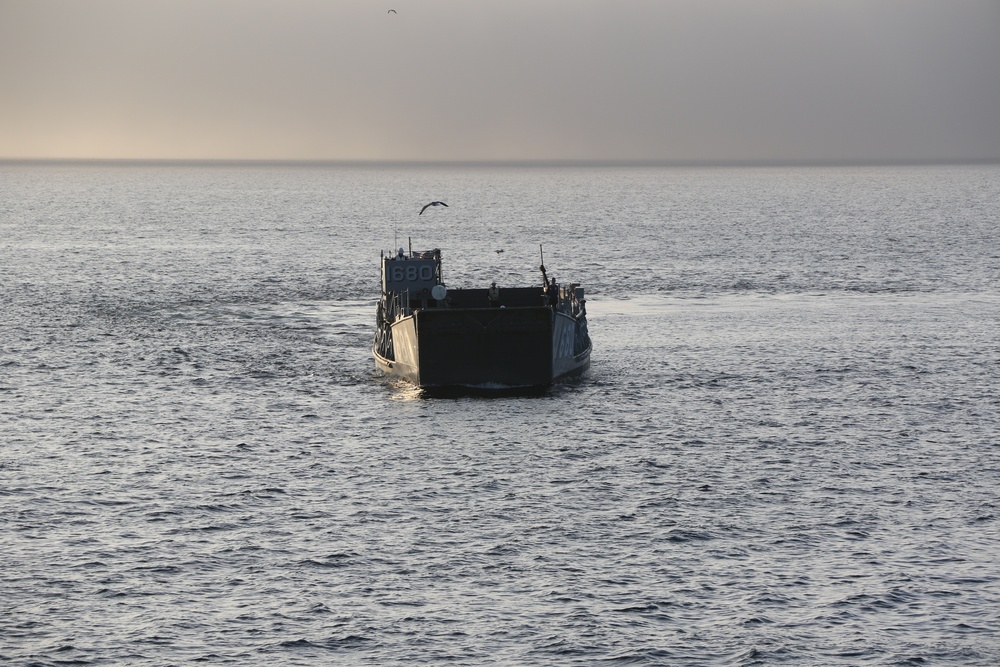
<point x="786" y="450"/>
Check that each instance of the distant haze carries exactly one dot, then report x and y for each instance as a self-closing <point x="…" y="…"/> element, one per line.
<point x="661" y="80"/>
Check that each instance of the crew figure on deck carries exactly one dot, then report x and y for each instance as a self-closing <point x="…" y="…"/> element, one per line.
<point x="550" y="290"/>
<point x="494" y="295"/>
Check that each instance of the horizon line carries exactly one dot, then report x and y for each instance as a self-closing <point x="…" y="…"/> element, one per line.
<point x="539" y="162"/>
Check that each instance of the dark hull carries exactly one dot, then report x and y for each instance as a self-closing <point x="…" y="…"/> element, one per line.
<point x="485" y="348"/>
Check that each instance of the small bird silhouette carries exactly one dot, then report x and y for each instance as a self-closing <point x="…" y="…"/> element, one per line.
<point x="391" y="11"/>
<point x="499" y="251"/>
<point x="433" y="203"/>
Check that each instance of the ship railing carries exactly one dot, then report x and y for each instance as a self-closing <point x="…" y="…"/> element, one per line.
<point x="399" y="305"/>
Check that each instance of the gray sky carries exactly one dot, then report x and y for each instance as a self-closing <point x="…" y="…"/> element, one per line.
<point x="672" y="80"/>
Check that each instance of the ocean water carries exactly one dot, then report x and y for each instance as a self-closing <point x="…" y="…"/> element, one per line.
<point x="786" y="452"/>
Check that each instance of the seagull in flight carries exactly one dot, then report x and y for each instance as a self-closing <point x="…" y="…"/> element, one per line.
<point x="433" y="203"/>
<point x="391" y="11"/>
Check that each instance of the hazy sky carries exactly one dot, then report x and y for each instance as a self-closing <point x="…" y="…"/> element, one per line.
<point x="501" y="79"/>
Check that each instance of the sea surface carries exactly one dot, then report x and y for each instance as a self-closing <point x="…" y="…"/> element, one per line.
<point x="786" y="451"/>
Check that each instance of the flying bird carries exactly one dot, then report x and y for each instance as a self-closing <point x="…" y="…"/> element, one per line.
<point x="391" y="11"/>
<point x="499" y="251"/>
<point x="433" y="203"/>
